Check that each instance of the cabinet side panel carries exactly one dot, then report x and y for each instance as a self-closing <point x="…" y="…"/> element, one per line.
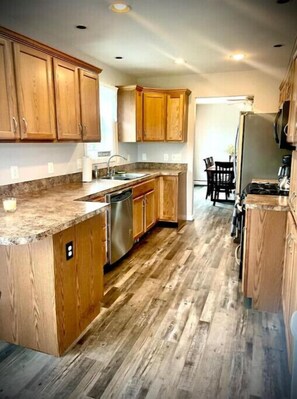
<point x="27" y="305"/>
<point x="89" y="270"/>
<point x="182" y="200"/>
<point x="168" y="198"/>
<point x="66" y="289"/>
<point x="127" y="115"/>
<point x="265" y="258"/>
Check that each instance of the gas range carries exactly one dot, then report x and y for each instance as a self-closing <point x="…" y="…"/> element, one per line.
<point x="264" y="189"/>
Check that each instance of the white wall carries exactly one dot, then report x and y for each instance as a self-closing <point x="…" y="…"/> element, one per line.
<point x="264" y="85"/>
<point x="216" y="126"/>
<point x="32" y="159"/>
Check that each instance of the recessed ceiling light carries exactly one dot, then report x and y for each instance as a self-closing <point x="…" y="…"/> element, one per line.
<point x="118" y="57"/>
<point x="237" y="56"/>
<point x="278" y="45"/>
<point x="179" y="61"/>
<point x="120" y="6"/>
<point x="81" y="27"/>
<point x="282" y="1"/>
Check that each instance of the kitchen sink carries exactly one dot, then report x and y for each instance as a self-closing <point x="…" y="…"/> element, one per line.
<point x="124" y="176"/>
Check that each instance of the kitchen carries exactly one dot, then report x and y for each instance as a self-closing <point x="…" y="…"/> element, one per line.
<point x="263" y="83"/>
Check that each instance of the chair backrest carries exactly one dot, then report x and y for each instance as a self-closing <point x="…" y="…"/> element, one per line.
<point x="224" y="173"/>
<point x="208" y="162"/>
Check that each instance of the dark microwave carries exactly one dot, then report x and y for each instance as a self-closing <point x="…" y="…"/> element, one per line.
<point x="281" y="126"/>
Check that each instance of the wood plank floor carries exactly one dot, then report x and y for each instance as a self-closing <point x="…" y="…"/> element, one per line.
<point x="173" y="325"/>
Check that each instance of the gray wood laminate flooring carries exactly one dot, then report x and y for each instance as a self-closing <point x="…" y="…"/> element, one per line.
<point x="173" y="325"/>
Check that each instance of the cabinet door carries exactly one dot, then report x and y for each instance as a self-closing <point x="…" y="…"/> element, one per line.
<point x="150" y="212"/>
<point x="168" y="198"/>
<point x="67" y="101"/>
<point x="175" y="117"/>
<point x="35" y="93"/>
<point x="138" y="216"/>
<point x="293" y="186"/>
<point x="89" y="97"/>
<point x="154" y="120"/>
<point x="292" y="123"/>
<point x="9" y="127"/>
<point x="288" y="287"/>
<point x="139" y="115"/>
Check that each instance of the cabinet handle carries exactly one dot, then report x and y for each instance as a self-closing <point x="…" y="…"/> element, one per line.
<point x="80" y="128"/>
<point x="25" y="124"/>
<point x="15" y="124"/>
<point x="286" y="130"/>
<point x="84" y="130"/>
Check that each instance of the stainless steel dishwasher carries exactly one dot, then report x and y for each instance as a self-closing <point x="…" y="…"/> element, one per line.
<point x="120" y="239"/>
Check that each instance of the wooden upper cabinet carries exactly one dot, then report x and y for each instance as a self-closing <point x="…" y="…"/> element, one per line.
<point x="177" y="116"/>
<point x="9" y="124"/>
<point x="67" y="100"/>
<point x="147" y="114"/>
<point x="35" y="93"/>
<point x="292" y="123"/>
<point x="89" y="97"/>
<point x="45" y="94"/>
<point x="154" y="121"/>
<point x="129" y="113"/>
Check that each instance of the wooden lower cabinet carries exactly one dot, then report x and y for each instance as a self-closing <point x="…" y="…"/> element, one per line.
<point x="289" y="288"/>
<point x="46" y="300"/>
<point x="172" y="199"/>
<point x="263" y="258"/>
<point x="144" y="210"/>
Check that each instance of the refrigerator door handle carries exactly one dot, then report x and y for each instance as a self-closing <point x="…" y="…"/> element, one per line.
<point x="275" y="126"/>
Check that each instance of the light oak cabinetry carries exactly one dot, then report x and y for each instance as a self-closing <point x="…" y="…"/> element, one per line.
<point x="35" y="93"/>
<point x="177" y="116"/>
<point x="263" y="258"/>
<point x="293" y="186"/>
<point x="89" y="102"/>
<point x="172" y="199"/>
<point x="154" y="116"/>
<point x="77" y="103"/>
<point x="57" y="95"/>
<point x="289" y="289"/>
<point x="144" y="209"/>
<point x="292" y="123"/>
<point x="9" y="123"/>
<point x="46" y="300"/>
<point x="130" y="113"/>
<point x="147" y="114"/>
<point x="67" y="101"/>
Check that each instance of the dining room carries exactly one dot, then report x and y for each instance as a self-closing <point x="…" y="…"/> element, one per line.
<point x="217" y="120"/>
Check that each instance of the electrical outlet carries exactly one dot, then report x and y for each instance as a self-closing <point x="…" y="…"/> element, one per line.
<point x="166" y="157"/>
<point x="69" y="250"/>
<point x="79" y="164"/>
<point x="14" y="172"/>
<point x="128" y="157"/>
<point x="50" y="167"/>
<point x="144" y="158"/>
<point x="176" y="157"/>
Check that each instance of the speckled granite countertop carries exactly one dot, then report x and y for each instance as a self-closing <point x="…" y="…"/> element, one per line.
<point x="267" y="202"/>
<point x="44" y="213"/>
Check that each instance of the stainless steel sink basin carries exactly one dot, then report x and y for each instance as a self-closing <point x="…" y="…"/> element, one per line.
<point x="125" y="176"/>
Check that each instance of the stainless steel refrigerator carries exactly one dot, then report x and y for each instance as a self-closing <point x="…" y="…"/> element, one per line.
<point x="257" y="156"/>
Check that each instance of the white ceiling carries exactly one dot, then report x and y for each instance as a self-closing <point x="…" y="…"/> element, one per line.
<point x="203" y="32"/>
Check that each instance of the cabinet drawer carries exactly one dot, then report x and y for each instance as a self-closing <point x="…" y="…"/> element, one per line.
<point x="143" y="188"/>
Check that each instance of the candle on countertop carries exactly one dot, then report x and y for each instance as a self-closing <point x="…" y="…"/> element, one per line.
<point x="9" y="204"/>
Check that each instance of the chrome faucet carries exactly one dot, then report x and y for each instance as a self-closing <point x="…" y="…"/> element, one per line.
<point x="108" y="162"/>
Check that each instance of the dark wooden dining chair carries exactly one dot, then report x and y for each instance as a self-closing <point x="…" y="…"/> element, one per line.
<point x="223" y="180"/>
<point x="209" y="175"/>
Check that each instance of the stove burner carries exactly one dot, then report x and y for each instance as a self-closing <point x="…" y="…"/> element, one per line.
<point x="264" y="189"/>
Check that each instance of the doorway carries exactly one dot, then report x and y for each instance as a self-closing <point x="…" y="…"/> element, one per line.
<point x="216" y="124"/>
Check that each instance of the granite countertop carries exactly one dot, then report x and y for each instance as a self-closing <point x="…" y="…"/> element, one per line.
<point x="44" y="213"/>
<point x="267" y="202"/>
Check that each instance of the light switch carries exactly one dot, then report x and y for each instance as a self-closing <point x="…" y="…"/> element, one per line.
<point x="14" y="172"/>
<point x="50" y="167"/>
<point x="144" y="158"/>
<point x="166" y="157"/>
